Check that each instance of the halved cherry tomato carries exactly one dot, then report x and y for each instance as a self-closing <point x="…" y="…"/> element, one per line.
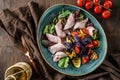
<point x="80" y="3"/>
<point x="106" y="14"/>
<point x="77" y="50"/>
<point x="107" y="4"/>
<point x="96" y="2"/>
<point x="95" y="42"/>
<point x="89" y="5"/>
<point x="98" y="9"/>
<point x="90" y="45"/>
<point x="85" y="59"/>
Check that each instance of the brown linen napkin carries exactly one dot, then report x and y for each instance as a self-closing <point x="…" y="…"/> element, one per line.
<point x="23" y="22"/>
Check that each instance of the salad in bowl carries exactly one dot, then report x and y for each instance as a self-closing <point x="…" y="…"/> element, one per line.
<point x="71" y="40"/>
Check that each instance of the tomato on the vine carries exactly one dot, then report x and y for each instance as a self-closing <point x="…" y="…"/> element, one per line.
<point x="106" y="14"/>
<point x="98" y="9"/>
<point x="107" y="4"/>
<point x="87" y="0"/>
<point x="89" y="5"/>
<point x="80" y="3"/>
<point x="96" y="2"/>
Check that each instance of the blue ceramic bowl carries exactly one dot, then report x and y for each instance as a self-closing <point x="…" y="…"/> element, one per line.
<point x="47" y="17"/>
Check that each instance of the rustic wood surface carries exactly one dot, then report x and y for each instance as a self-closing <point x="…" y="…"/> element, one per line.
<point x="111" y="27"/>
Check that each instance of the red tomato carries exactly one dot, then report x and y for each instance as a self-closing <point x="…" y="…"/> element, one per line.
<point x="85" y="60"/>
<point x="96" y="2"/>
<point x="90" y="45"/>
<point x="95" y="42"/>
<point x="98" y="9"/>
<point x="89" y="5"/>
<point x="80" y="3"/>
<point x="87" y="0"/>
<point x="77" y="50"/>
<point x="107" y="4"/>
<point x="106" y="14"/>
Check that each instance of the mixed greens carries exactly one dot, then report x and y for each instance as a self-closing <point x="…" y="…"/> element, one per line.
<point x="71" y="38"/>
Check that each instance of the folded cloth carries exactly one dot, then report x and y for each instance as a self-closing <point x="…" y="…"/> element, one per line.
<point x="23" y="22"/>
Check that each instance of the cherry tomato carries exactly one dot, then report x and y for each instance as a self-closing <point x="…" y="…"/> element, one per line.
<point x="85" y="59"/>
<point x="80" y="3"/>
<point x="89" y="5"/>
<point x="87" y="0"/>
<point x="90" y="45"/>
<point x="107" y="4"/>
<point x="77" y="50"/>
<point x="96" y="2"/>
<point x="106" y="14"/>
<point x="95" y="42"/>
<point x="98" y="9"/>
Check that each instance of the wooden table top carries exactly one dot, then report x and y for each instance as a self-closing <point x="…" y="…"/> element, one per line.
<point x="111" y="27"/>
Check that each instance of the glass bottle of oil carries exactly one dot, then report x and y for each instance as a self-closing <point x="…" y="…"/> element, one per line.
<point x="19" y="71"/>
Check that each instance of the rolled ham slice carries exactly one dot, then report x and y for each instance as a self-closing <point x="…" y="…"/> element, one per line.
<point x="80" y="24"/>
<point x="53" y="38"/>
<point x="90" y="30"/>
<point x="70" y="22"/>
<point x="58" y="29"/>
<point x="57" y="47"/>
<point x="58" y="56"/>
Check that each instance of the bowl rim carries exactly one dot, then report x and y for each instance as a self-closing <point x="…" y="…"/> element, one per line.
<point x="38" y="41"/>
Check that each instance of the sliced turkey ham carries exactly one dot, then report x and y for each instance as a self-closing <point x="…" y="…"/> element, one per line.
<point x="57" y="47"/>
<point x="53" y="38"/>
<point x="58" y="29"/>
<point x="70" y="21"/>
<point x="80" y="24"/>
<point x="90" y="30"/>
<point x="58" y="55"/>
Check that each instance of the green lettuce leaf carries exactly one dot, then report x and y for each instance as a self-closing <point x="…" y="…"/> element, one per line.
<point x="63" y="62"/>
